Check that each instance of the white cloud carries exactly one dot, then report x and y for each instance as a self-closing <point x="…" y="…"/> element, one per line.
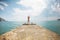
<point x="3" y="5"/>
<point x="56" y="7"/>
<point x="45" y="19"/>
<point x="24" y="12"/>
<point x="36" y="5"/>
<point x="52" y="18"/>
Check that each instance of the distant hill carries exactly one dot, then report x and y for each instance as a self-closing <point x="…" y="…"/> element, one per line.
<point x="1" y="19"/>
<point x="59" y="19"/>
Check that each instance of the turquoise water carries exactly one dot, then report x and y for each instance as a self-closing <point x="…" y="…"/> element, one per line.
<point x="7" y="26"/>
<point x="51" y="25"/>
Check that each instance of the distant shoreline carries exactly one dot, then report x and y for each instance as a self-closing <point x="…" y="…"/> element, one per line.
<point x="58" y="19"/>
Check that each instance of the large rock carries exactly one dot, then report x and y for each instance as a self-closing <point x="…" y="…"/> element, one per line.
<point x="30" y="32"/>
<point x="1" y="19"/>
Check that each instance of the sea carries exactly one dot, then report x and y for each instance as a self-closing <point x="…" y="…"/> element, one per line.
<point x="7" y="26"/>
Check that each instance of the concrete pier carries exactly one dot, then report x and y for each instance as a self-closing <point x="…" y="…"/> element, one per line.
<point x="30" y="32"/>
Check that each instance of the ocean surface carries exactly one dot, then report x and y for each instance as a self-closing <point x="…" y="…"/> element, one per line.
<point x="9" y="25"/>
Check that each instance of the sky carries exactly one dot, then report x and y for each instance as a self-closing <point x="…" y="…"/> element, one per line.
<point x="38" y="10"/>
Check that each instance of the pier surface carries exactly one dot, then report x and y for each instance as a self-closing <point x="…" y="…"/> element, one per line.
<point x="30" y="32"/>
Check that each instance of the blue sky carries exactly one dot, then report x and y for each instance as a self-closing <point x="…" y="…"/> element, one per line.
<point x="18" y="10"/>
